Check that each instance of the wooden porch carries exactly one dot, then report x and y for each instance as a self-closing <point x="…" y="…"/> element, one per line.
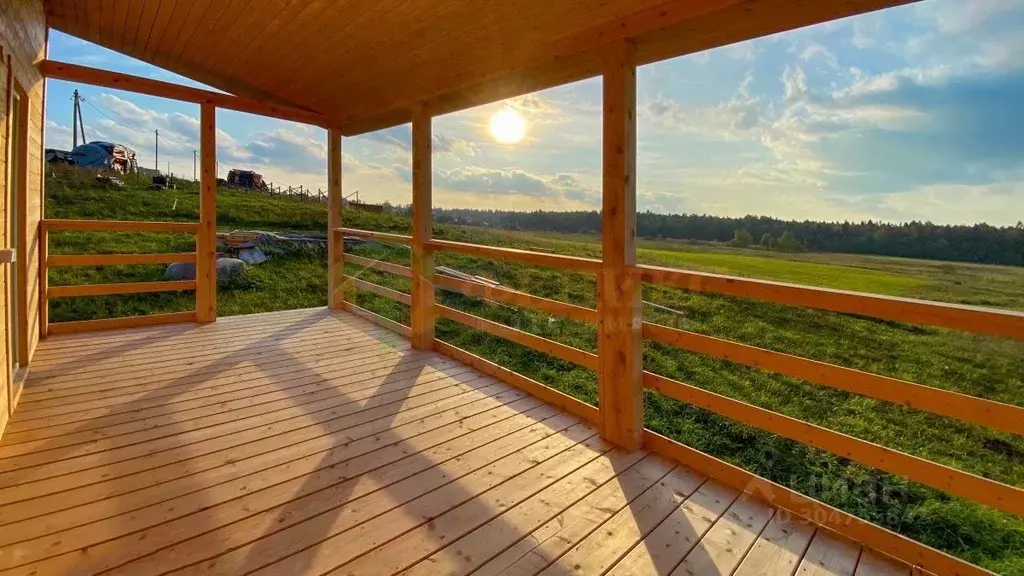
<point x="314" y="441"/>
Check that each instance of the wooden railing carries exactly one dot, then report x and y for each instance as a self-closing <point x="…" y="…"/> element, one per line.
<point x="498" y="294"/>
<point x="988" y="413"/>
<point x="48" y="261"/>
<point x="983" y="412"/>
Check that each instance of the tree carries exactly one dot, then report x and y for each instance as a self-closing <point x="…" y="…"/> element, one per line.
<point x="788" y="243"/>
<point x="767" y="241"/>
<point x="742" y="238"/>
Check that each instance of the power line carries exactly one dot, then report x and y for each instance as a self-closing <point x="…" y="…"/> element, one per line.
<point x="122" y="118"/>
<point x="136" y="124"/>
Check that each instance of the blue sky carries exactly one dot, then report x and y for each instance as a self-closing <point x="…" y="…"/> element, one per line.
<point x="912" y="113"/>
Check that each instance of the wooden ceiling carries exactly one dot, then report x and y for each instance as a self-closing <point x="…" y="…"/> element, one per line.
<point x="364" y="63"/>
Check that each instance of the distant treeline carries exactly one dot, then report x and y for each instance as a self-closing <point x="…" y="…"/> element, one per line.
<point x="977" y="243"/>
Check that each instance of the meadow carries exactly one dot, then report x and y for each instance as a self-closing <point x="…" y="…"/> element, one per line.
<point x="983" y="366"/>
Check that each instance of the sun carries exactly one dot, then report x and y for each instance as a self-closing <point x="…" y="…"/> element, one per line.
<point x="508" y="126"/>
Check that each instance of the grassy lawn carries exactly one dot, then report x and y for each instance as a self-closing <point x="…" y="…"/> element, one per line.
<point x="977" y="365"/>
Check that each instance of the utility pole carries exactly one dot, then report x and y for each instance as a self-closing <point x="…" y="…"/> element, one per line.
<point x="156" y="163"/>
<point x="74" y="120"/>
<point x="81" y="123"/>
<point x="194" y="156"/>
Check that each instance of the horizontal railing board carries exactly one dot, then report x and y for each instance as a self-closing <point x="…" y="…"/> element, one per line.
<point x="378" y="319"/>
<point x="118" y="323"/>
<point x="982" y="490"/>
<point x="925" y="557"/>
<point x="382" y="236"/>
<point x="397" y="269"/>
<point x="1005" y="323"/>
<point x="557" y="349"/>
<point x="521" y="256"/>
<point x="530" y="386"/>
<point x="118" y="259"/>
<point x="379" y="290"/>
<point x="988" y="413"/>
<point x="124" y="288"/>
<point x="119" y="226"/>
<point x="523" y="299"/>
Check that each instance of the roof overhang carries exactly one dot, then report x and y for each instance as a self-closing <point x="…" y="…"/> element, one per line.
<point x="451" y="54"/>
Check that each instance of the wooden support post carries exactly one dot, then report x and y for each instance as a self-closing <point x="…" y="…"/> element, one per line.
<point x="44" y="281"/>
<point x="422" y="221"/>
<point x="206" y="237"/>
<point x="336" y="241"/>
<point x="620" y="344"/>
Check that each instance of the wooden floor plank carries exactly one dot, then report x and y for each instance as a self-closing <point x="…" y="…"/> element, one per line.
<point x="179" y="389"/>
<point x="829" y="555"/>
<point x="617" y="536"/>
<point x="120" y="540"/>
<point x="50" y="374"/>
<point x="538" y="549"/>
<point x="152" y="438"/>
<point x="727" y="542"/>
<point x="60" y="376"/>
<point x="303" y="389"/>
<point x="69" y="376"/>
<point x="222" y="436"/>
<point x="466" y="554"/>
<point x="212" y="392"/>
<point x="262" y="541"/>
<point x="780" y="547"/>
<point x="575" y="472"/>
<point x="396" y="385"/>
<point x="155" y="485"/>
<point x="663" y="549"/>
<point x="255" y="441"/>
<point x="873" y="563"/>
<point x="194" y="374"/>
<point x="70" y="345"/>
<point x="257" y="472"/>
<point x="167" y="381"/>
<point x="314" y="441"/>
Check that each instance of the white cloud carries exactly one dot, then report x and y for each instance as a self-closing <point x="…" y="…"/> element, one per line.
<point x="950" y="203"/>
<point x="890" y="81"/>
<point x="736" y="119"/>
<point x="515" y="181"/>
<point x="963" y="16"/>
<point x="537" y="109"/>
<point x="400" y="138"/>
<point x="795" y="83"/>
<point x="861" y="39"/>
<point x="815" y="51"/>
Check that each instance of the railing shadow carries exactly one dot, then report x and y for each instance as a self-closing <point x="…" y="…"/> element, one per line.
<point x="276" y="338"/>
<point x="50" y="503"/>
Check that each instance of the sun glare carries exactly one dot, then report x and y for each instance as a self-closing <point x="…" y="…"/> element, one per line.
<point x="508" y="126"/>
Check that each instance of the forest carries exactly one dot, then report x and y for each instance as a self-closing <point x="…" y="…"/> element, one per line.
<point x="980" y="243"/>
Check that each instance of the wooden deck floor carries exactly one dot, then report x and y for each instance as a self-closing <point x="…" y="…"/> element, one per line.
<point x="311" y="442"/>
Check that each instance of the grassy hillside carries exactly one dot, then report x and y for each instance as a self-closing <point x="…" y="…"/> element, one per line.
<point x="982" y="366"/>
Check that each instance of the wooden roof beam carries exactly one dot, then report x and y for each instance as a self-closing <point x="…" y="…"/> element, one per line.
<point x="148" y="86"/>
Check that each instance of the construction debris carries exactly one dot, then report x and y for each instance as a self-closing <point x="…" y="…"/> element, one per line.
<point x="246" y="179"/>
<point x="446" y="271"/>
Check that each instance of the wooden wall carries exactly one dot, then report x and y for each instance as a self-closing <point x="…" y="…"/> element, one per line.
<point x="22" y="43"/>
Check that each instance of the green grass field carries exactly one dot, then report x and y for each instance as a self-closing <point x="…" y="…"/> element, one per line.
<point x="982" y="366"/>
